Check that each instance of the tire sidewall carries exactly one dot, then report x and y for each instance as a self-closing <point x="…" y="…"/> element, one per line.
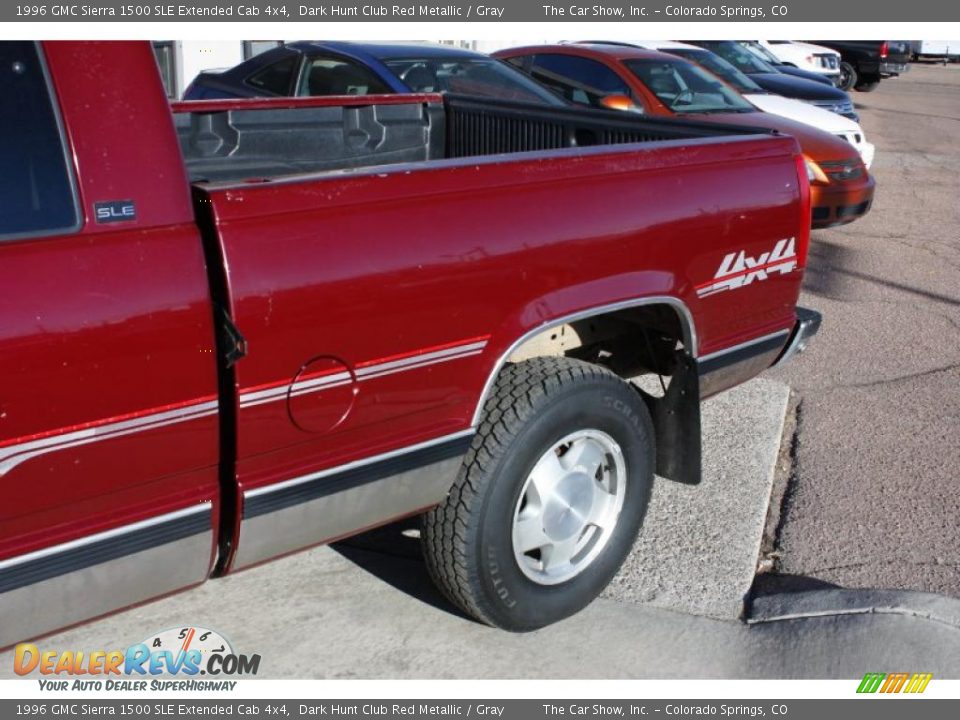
<point x="599" y="403"/>
<point x="848" y="76"/>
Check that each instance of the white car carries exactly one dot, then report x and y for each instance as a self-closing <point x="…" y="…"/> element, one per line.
<point x="796" y="110"/>
<point x="806" y="56"/>
<point x="818" y="118"/>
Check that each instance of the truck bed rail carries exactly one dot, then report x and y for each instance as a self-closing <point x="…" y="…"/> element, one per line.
<point x="249" y="140"/>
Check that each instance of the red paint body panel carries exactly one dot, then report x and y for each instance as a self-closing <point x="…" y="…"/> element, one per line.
<point x="398" y="289"/>
<point x="363" y="265"/>
<point x="107" y="323"/>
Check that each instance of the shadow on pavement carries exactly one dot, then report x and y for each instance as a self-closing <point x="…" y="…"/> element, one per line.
<point x="828" y="275"/>
<point x="775" y="583"/>
<point x="392" y="554"/>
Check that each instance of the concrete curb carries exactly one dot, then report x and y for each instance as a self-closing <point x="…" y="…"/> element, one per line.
<point x="698" y="548"/>
<point x="834" y="602"/>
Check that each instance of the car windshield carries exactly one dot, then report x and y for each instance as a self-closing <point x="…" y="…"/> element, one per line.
<point x="687" y="88"/>
<point x="761" y="52"/>
<point x="719" y="67"/>
<point x="738" y="56"/>
<point x="470" y="76"/>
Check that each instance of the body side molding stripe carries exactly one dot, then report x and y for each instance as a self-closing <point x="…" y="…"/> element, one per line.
<point x="271" y="498"/>
<point x="15" y="451"/>
<point x="743" y="351"/>
<point x="368" y="370"/>
<point x="102" y="547"/>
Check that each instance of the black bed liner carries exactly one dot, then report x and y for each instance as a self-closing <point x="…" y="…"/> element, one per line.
<point x="242" y="143"/>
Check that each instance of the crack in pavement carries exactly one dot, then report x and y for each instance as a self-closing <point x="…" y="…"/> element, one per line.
<point x="885" y="561"/>
<point x="891" y="381"/>
<point x="812" y="614"/>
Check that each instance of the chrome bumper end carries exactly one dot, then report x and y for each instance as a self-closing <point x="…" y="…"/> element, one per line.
<point x="808" y="323"/>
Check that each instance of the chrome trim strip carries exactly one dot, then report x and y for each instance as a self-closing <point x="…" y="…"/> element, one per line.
<point x="741" y="346"/>
<point x="13" y="455"/>
<point x="106" y="535"/>
<point x="686" y="321"/>
<point x="257" y="492"/>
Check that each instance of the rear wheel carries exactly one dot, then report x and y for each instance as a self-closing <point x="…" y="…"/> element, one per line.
<point x="550" y="498"/>
<point x="848" y="76"/>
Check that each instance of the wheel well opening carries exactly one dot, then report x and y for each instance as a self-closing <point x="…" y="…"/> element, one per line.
<point x="630" y="342"/>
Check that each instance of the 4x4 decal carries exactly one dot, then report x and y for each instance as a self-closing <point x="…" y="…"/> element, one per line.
<point x="738" y="269"/>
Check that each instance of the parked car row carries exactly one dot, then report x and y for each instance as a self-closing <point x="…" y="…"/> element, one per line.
<point x="864" y="63"/>
<point x="719" y="82"/>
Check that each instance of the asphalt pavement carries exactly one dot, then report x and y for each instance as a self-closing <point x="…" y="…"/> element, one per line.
<point x="873" y="499"/>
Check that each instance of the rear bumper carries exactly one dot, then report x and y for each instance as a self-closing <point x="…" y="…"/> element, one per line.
<point x="888" y="69"/>
<point x="840" y="203"/>
<point x="808" y="323"/>
<point x="735" y="365"/>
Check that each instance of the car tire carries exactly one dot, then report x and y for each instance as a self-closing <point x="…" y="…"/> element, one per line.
<point x="550" y="498"/>
<point x="848" y="76"/>
<point x="867" y="86"/>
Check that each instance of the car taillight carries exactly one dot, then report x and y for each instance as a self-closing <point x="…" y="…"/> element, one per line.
<point x="884" y="49"/>
<point x="806" y="218"/>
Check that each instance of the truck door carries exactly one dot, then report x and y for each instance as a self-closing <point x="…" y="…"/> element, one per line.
<point x="108" y="386"/>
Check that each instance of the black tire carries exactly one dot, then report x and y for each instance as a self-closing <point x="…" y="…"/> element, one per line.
<point x="867" y="86"/>
<point x="467" y="540"/>
<point x="848" y="76"/>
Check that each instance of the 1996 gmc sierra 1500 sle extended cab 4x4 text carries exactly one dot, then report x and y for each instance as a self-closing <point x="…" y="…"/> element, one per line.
<point x="248" y="327"/>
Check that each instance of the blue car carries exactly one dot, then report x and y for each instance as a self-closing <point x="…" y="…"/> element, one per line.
<point x="771" y="79"/>
<point x="780" y="66"/>
<point x="311" y="69"/>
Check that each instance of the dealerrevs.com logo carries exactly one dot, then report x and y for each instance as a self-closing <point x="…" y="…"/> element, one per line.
<point x="170" y="660"/>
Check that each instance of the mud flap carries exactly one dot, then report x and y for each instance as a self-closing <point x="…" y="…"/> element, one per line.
<point x="676" y="420"/>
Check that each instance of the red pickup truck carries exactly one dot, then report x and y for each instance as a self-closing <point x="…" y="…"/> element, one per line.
<point x="243" y="328"/>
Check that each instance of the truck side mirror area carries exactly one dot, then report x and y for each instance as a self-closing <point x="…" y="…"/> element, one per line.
<point x="620" y="102"/>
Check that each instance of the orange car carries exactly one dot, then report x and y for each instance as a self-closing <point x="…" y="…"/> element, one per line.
<point x="626" y="78"/>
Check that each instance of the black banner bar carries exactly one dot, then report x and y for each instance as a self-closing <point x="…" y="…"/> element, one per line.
<point x="495" y="11"/>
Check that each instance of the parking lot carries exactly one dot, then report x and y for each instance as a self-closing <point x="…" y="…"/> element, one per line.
<point x="872" y="501"/>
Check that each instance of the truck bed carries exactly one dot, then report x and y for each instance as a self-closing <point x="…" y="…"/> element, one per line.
<point x="236" y="140"/>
